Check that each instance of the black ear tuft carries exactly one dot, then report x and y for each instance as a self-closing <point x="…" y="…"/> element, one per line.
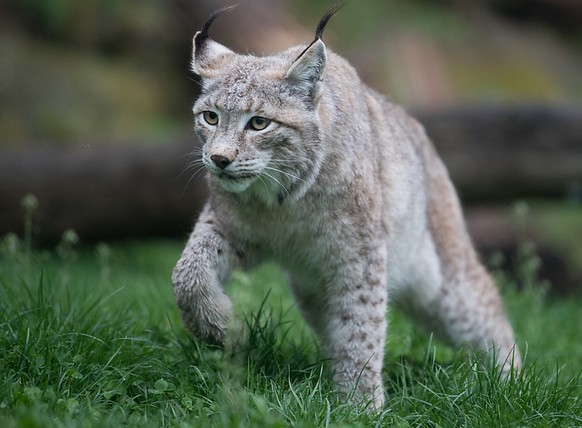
<point x="323" y="22"/>
<point x="203" y="35"/>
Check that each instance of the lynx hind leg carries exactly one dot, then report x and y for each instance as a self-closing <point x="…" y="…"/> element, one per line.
<point x="472" y="313"/>
<point x="466" y="310"/>
<point x="468" y="306"/>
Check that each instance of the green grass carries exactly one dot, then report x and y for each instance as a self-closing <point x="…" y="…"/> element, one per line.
<point x="93" y="338"/>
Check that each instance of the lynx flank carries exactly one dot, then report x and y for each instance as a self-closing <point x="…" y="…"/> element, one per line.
<point x="311" y="168"/>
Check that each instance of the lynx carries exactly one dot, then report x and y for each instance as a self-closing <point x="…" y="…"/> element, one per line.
<point x="309" y="167"/>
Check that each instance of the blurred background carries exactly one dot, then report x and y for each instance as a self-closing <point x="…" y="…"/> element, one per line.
<point x="96" y="95"/>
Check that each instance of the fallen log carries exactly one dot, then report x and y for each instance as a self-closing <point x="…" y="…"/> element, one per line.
<point x="502" y="153"/>
<point x="101" y="193"/>
<point x="109" y="192"/>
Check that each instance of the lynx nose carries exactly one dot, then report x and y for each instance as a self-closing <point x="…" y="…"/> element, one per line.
<point x="220" y="161"/>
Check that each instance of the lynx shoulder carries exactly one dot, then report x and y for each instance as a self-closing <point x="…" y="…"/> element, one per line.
<point x="311" y="168"/>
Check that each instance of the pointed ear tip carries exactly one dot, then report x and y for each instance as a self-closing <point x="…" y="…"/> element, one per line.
<point x="197" y="37"/>
<point x="195" y="40"/>
<point x="318" y="48"/>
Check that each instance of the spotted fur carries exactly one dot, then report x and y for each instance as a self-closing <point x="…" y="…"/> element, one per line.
<point x="345" y="191"/>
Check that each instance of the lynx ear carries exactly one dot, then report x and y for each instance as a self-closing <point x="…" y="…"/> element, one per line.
<point x="306" y="73"/>
<point x="204" y="49"/>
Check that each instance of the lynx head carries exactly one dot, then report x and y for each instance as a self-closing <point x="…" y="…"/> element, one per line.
<point x="257" y="117"/>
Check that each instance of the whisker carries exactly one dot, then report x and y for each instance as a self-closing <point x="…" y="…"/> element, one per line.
<point x="195" y="153"/>
<point x="288" y="174"/>
<point x="197" y="163"/>
<point x="276" y="181"/>
<point x="194" y="166"/>
<point x="200" y="168"/>
<point x="196" y="150"/>
<point x="197" y="81"/>
<point x="286" y="161"/>
<point x="264" y="184"/>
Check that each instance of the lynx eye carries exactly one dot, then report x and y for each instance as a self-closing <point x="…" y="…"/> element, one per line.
<point x="210" y="117"/>
<point x="258" y="123"/>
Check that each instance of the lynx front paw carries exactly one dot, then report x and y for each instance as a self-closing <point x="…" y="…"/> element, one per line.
<point x="206" y="317"/>
<point x="204" y="308"/>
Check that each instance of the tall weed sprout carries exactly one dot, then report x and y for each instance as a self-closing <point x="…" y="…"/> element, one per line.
<point x="104" y="253"/>
<point x="30" y="205"/>
<point x="527" y="263"/>
<point x="66" y="250"/>
<point x="10" y="246"/>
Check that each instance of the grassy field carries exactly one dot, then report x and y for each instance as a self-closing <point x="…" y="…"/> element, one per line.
<point x="92" y="338"/>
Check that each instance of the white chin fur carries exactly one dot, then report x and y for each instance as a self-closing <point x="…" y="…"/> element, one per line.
<point x="235" y="186"/>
